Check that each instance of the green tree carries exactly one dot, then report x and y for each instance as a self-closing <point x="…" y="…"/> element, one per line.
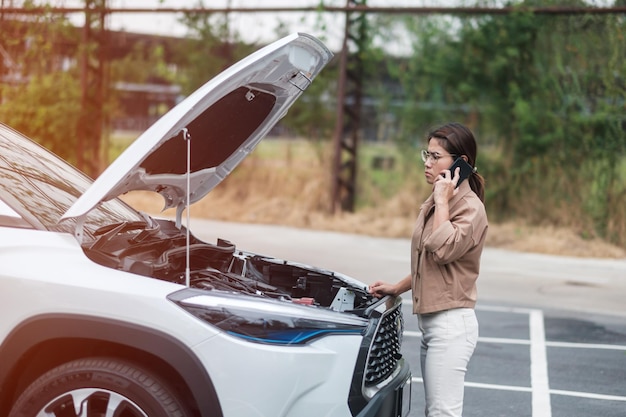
<point x="211" y="47"/>
<point x="46" y="107"/>
<point x="545" y="95"/>
<point x="143" y="64"/>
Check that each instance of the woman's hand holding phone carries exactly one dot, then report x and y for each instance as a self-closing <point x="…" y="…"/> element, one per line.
<point x="446" y="186"/>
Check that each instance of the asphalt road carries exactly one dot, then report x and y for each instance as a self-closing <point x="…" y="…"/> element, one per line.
<point x="552" y="329"/>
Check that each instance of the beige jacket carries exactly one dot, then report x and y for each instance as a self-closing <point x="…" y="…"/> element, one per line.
<point x="445" y="263"/>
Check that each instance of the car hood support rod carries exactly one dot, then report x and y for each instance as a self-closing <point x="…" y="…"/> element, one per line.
<point x="187" y="138"/>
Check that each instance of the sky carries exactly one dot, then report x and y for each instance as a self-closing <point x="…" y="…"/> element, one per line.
<point x="253" y="28"/>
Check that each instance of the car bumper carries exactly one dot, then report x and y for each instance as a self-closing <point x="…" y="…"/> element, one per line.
<point x="394" y="399"/>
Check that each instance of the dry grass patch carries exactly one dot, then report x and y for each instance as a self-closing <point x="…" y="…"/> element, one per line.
<point x="550" y="240"/>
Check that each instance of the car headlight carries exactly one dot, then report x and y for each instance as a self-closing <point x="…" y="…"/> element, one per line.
<point x="266" y="321"/>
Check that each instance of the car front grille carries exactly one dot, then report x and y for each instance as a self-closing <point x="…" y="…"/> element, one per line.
<point x="385" y="349"/>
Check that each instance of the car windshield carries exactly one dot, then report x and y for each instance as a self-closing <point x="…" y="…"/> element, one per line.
<point x="40" y="187"/>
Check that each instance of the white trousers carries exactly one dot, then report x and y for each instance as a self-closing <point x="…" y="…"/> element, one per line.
<point x="448" y="342"/>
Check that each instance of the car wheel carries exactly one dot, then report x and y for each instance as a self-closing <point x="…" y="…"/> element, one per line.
<point x="98" y="387"/>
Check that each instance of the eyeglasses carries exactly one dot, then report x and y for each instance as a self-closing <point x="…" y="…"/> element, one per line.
<point x="434" y="156"/>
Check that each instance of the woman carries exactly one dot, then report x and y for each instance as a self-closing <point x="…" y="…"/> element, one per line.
<point x="445" y="260"/>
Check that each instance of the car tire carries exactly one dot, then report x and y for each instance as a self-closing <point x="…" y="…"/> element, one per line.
<point x="97" y="385"/>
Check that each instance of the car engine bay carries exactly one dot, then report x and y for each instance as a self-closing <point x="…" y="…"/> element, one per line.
<point x="160" y="251"/>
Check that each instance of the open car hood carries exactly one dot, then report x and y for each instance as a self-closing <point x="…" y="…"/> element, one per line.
<point x="194" y="146"/>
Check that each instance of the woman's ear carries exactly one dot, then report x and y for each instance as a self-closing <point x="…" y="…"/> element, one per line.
<point x="464" y="157"/>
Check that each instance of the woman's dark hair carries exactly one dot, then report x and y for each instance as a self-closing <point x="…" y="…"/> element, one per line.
<point x="459" y="140"/>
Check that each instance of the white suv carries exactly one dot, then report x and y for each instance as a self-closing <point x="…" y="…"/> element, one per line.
<point x="108" y="312"/>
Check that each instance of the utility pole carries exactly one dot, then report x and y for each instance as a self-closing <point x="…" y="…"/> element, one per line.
<point x="348" y="124"/>
<point x="94" y="87"/>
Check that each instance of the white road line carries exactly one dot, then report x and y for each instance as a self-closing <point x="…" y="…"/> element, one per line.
<point x="506" y="341"/>
<point x="539" y="366"/>
<point x="488" y="386"/>
<point x="585" y="346"/>
<point x="528" y="389"/>
<point x="588" y="395"/>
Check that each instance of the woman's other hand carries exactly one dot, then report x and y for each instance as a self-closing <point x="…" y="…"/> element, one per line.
<point x="380" y="289"/>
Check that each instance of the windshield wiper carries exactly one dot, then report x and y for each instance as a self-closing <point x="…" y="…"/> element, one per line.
<point x="111" y="230"/>
<point x="120" y="227"/>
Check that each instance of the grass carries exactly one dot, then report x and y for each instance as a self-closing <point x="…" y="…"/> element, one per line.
<point x="288" y="182"/>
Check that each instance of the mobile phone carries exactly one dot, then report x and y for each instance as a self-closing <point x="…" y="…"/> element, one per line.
<point x="464" y="172"/>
